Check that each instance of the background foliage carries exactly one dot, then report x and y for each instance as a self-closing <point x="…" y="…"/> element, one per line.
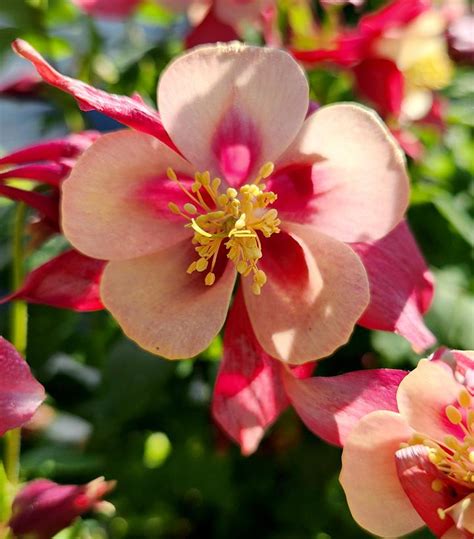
<point x="114" y="410"/>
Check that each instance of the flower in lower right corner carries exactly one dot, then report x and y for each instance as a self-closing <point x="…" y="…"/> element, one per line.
<point x="403" y="470"/>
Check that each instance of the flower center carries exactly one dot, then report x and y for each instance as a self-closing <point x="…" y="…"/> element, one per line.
<point x="232" y="218"/>
<point x="454" y="458"/>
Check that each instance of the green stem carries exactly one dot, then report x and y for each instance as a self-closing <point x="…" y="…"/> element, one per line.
<point x="18" y="331"/>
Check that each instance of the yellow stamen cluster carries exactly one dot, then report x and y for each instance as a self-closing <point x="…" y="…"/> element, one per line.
<point x="233" y="218"/>
<point x="452" y="457"/>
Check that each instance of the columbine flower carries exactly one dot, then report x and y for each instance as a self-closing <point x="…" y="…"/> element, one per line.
<point x="257" y="193"/>
<point x="20" y="393"/>
<point x="70" y="280"/>
<point x="403" y="469"/>
<point x="43" y="508"/>
<point x="274" y="213"/>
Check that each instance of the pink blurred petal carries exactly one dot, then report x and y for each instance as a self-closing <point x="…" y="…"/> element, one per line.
<point x="46" y="205"/>
<point x="248" y="395"/>
<point x="52" y="150"/>
<point x="369" y="475"/>
<point x="121" y="108"/>
<point x="113" y="9"/>
<point x="20" y="393"/>
<point x="68" y="281"/>
<point x="316" y="290"/>
<point x="49" y="173"/>
<point x="210" y="30"/>
<point x="381" y="82"/>
<point x="416" y="474"/>
<point x="331" y="406"/>
<point x="401" y="286"/>
<point x="409" y="143"/>
<point x="395" y="13"/>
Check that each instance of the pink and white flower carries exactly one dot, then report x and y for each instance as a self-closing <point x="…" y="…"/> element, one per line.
<point x="236" y="181"/>
<point x="404" y="469"/>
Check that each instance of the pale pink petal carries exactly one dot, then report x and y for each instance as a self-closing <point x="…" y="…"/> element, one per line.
<point x="331" y="406"/>
<point x="125" y="110"/>
<point x="423" y="397"/>
<point x="360" y="184"/>
<point x="369" y="476"/>
<point x="20" y="393"/>
<point x="68" y="281"/>
<point x="164" y="309"/>
<point x="417" y="474"/>
<point x="317" y="289"/>
<point x="249" y="394"/>
<point x="103" y="211"/>
<point x="234" y="102"/>
<point x="454" y="533"/>
<point x="401" y="286"/>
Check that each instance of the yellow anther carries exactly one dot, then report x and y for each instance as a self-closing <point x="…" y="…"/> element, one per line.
<point x="256" y="289"/>
<point x="171" y="174"/>
<point x="267" y="170"/>
<point x="216" y="183"/>
<point x="190" y="208"/>
<point x="200" y="230"/>
<point x="242" y="266"/>
<point x="206" y="178"/>
<point x="260" y="278"/>
<point x="437" y="485"/>
<point x="441" y="513"/>
<point x="471" y="457"/>
<point x="464" y="398"/>
<point x="231" y="192"/>
<point x="240" y="223"/>
<point x="210" y="279"/>
<point x="196" y="186"/>
<point x="174" y="208"/>
<point x="201" y="264"/>
<point x="222" y="200"/>
<point x="191" y="267"/>
<point x="453" y="414"/>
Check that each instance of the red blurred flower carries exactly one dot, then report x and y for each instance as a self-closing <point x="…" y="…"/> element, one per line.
<point x="43" y="508"/>
<point x="70" y="280"/>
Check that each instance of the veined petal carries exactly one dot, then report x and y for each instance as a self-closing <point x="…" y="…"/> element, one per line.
<point x="103" y="211"/>
<point x="125" y="110"/>
<point x="369" y="476"/>
<point x="20" y="393"/>
<point x="331" y="406"/>
<point x="401" y="286"/>
<point x="164" y="309"/>
<point x="360" y="182"/>
<point x="249" y="394"/>
<point x="417" y="475"/>
<point x="316" y="290"/>
<point x="233" y="100"/>
<point x="68" y="281"/>
<point x="423" y="397"/>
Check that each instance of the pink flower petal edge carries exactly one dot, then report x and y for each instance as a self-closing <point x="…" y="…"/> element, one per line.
<point x="20" y="393"/>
